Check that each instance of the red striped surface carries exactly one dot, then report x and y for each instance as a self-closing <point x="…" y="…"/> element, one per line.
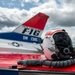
<point x="52" y="32"/>
<point x="38" y="21"/>
<point x="7" y="60"/>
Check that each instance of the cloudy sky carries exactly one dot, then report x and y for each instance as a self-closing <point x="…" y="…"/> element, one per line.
<point x="61" y="13"/>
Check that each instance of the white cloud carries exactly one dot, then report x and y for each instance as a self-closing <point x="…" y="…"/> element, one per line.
<point x="60" y="17"/>
<point x="7" y="29"/>
<point x="35" y="1"/>
<point x="12" y="17"/>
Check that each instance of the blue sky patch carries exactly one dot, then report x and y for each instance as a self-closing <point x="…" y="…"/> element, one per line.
<point x="16" y="4"/>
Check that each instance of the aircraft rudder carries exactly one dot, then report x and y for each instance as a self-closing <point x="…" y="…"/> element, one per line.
<point x="38" y="21"/>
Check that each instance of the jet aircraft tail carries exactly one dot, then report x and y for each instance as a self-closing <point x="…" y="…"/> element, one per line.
<point x="26" y="36"/>
<point x="33" y="26"/>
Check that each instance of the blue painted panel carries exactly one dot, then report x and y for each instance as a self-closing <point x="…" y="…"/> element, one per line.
<point x="20" y="37"/>
<point x="6" y="72"/>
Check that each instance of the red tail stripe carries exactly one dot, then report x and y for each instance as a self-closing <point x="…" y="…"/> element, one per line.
<point x="38" y="21"/>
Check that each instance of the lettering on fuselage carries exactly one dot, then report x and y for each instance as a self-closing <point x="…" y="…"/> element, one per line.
<point x="34" y="39"/>
<point x="25" y="37"/>
<point x="30" y="38"/>
<point x="30" y="31"/>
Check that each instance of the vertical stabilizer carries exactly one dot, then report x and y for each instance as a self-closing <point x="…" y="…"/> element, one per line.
<point x="33" y="26"/>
